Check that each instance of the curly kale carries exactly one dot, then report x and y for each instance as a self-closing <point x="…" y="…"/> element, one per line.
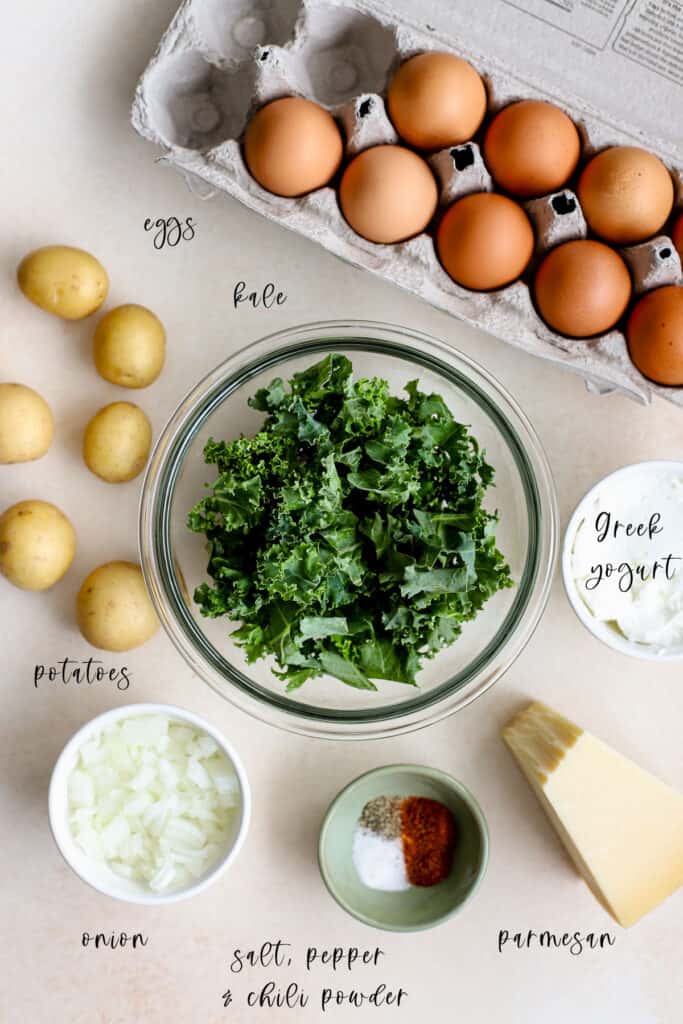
<point x="348" y="535"/>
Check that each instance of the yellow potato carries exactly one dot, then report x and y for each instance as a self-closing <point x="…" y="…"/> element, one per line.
<point x="37" y="544"/>
<point x="26" y="424"/>
<point x="129" y="346"/>
<point x="67" y="282"/>
<point x="116" y="442"/>
<point x="113" y="607"/>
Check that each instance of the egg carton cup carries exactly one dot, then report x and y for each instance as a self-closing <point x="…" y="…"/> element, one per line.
<point x="220" y="60"/>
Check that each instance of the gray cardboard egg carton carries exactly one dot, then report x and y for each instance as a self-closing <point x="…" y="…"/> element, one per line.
<point x="222" y="59"/>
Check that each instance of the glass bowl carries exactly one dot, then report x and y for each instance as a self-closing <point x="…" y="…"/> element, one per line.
<point x="174" y="560"/>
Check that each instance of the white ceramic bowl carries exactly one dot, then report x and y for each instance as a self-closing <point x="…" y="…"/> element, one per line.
<point x="97" y="873"/>
<point x="604" y="630"/>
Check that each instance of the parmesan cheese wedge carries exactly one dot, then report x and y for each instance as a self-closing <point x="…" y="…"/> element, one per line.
<point x="622" y="827"/>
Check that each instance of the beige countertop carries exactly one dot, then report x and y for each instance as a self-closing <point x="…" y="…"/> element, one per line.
<point x="74" y="172"/>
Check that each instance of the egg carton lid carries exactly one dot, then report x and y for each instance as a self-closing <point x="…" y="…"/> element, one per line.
<point x="620" y="57"/>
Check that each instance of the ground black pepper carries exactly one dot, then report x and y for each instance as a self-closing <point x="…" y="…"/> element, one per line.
<point x="383" y="816"/>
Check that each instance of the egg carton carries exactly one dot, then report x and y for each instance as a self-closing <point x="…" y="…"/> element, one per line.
<point x="220" y="60"/>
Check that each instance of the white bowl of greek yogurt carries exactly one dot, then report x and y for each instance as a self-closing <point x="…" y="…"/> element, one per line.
<point x="622" y="560"/>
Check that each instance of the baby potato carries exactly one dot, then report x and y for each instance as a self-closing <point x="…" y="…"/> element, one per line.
<point x="129" y="346"/>
<point x="116" y="442"/>
<point x="26" y="424"/>
<point x="62" y="280"/>
<point x="113" y="607"/>
<point x="37" y="544"/>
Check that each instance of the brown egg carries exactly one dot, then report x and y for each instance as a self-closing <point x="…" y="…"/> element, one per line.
<point x="655" y="335"/>
<point x="677" y="235"/>
<point x="292" y="146"/>
<point x="388" y="194"/>
<point x="582" y="288"/>
<point x="626" y="194"/>
<point x="485" y="241"/>
<point x="436" y="100"/>
<point x="532" y="148"/>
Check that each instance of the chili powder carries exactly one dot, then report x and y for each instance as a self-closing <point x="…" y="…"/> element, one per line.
<point x="429" y="834"/>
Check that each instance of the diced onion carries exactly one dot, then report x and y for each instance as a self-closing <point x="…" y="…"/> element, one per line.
<point x="153" y="798"/>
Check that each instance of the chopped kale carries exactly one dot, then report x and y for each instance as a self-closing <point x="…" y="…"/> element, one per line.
<point x="348" y="536"/>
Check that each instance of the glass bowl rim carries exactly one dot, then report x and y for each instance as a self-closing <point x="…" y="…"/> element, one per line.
<point x="171" y="603"/>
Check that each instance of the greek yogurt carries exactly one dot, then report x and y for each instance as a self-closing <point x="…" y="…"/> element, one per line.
<point x="624" y="554"/>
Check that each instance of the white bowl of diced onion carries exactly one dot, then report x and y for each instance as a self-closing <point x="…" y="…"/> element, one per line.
<point x="149" y="803"/>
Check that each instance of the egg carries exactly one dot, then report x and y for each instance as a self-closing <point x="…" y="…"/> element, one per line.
<point x="485" y="241"/>
<point x="531" y="148"/>
<point x="655" y="335"/>
<point x="626" y="194"/>
<point x="388" y="194"/>
<point x="436" y="100"/>
<point x="582" y="288"/>
<point x="677" y="236"/>
<point x="292" y="146"/>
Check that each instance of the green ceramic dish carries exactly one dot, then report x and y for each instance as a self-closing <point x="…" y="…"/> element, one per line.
<point x="416" y="909"/>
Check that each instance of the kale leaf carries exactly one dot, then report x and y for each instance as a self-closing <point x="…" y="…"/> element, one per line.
<point x="348" y="536"/>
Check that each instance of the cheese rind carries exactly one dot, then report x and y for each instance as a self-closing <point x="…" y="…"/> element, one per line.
<point x="622" y="827"/>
